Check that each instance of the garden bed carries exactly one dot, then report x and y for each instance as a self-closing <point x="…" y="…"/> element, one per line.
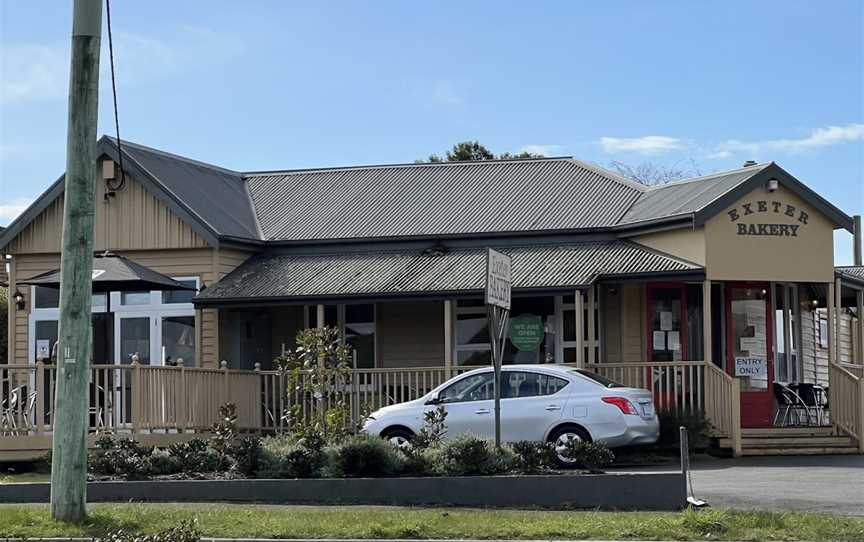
<point x="625" y="491"/>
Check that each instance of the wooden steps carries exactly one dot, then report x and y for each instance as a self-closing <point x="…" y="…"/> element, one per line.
<point x="793" y="441"/>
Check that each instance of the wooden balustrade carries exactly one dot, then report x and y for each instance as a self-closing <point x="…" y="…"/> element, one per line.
<point x="154" y="399"/>
<point x="847" y="402"/>
<point x="132" y="398"/>
<point x="675" y="384"/>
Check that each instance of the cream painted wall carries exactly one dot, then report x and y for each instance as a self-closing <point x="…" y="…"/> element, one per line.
<point x="685" y="243"/>
<point x="808" y="256"/>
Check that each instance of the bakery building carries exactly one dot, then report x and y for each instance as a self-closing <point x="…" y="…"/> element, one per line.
<point x="708" y="290"/>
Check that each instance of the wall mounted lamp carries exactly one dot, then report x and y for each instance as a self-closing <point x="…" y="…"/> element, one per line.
<point x="19" y="300"/>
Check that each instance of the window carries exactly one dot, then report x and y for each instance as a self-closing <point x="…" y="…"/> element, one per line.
<point x="135" y="298"/>
<point x="46" y="298"/>
<point x="181" y="296"/>
<point x="516" y="384"/>
<point x="135" y="339"/>
<point x="360" y="333"/>
<point x="159" y="326"/>
<point x="472" y="388"/>
<point x="45" y="335"/>
<point x="602" y="380"/>
<point x="472" y="332"/>
<point x="178" y="340"/>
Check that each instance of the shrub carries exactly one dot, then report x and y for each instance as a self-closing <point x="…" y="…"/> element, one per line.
<point x="195" y="456"/>
<point x="470" y="456"/>
<point x="291" y="457"/>
<point x="697" y="425"/>
<point x="533" y="457"/>
<point x="246" y="454"/>
<point x="123" y="457"/>
<point x="434" y="428"/>
<point x="593" y="456"/>
<point x="185" y="532"/>
<point x="365" y="456"/>
<point x="225" y="430"/>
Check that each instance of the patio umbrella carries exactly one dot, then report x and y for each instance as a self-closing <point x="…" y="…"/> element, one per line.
<point x="114" y="273"/>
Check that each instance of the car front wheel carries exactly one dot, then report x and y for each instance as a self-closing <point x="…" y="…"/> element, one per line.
<point x="398" y="436"/>
<point x="561" y="437"/>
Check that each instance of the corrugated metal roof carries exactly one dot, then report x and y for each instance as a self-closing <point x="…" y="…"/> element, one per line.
<point x="688" y="196"/>
<point x="217" y="195"/>
<point x="853" y="272"/>
<point x="385" y="273"/>
<point x="454" y="198"/>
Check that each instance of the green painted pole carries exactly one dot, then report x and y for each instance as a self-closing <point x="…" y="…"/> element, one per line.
<point x="69" y="459"/>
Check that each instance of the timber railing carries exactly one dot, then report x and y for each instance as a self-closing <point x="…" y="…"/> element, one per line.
<point x="132" y="398"/>
<point x="687" y="386"/>
<point x="847" y="402"/>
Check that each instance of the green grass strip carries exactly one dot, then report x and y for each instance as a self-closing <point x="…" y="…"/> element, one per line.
<point x="422" y="523"/>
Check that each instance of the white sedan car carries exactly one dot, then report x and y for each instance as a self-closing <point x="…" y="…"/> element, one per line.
<point x="545" y="403"/>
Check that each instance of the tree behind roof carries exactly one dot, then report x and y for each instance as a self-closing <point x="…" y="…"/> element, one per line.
<point x="473" y="151"/>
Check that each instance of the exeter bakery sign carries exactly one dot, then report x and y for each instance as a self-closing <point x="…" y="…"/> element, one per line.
<point x="766" y="210"/>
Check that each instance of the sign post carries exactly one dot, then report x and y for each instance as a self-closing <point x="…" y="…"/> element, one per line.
<point x="499" y="278"/>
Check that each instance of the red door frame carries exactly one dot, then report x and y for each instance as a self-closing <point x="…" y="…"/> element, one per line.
<point x="649" y="318"/>
<point x="756" y="406"/>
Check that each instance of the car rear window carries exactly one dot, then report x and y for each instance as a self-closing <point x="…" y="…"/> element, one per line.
<point x="602" y="380"/>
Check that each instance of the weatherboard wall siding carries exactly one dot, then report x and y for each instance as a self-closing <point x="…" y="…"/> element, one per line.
<point x="133" y="219"/>
<point x="410" y="333"/>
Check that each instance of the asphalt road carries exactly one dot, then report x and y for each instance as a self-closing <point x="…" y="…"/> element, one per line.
<point x="831" y="484"/>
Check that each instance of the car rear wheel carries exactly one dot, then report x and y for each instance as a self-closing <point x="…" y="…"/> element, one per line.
<point x="559" y="439"/>
<point x="398" y="436"/>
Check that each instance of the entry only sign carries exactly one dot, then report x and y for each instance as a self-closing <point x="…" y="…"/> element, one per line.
<point x="499" y="278"/>
<point x="750" y="366"/>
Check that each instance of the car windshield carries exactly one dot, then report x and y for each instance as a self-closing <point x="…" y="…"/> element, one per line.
<point x="602" y="380"/>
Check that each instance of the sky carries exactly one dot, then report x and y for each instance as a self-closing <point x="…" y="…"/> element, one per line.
<point x="700" y="86"/>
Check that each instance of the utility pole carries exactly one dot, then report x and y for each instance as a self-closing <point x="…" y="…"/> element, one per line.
<point x="69" y="459"/>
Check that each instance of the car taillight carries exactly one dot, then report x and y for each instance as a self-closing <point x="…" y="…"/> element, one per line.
<point x="624" y="405"/>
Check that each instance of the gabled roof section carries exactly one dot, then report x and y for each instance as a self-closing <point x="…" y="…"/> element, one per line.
<point x="213" y="201"/>
<point x="439" y="199"/>
<point x="215" y="197"/>
<point x="700" y="198"/>
<point x="685" y="197"/>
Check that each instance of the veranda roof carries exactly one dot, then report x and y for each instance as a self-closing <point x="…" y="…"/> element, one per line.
<point x="434" y="272"/>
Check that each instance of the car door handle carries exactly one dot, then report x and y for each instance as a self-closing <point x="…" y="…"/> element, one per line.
<point x="552" y="408"/>
<point x="481" y="411"/>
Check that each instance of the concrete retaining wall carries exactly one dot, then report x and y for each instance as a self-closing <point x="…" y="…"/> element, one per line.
<point x="640" y="491"/>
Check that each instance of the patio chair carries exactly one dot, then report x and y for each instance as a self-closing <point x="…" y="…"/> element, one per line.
<point x="18" y="412"/>
<point x="790" y="406"/>
<point x="812" y="403"/>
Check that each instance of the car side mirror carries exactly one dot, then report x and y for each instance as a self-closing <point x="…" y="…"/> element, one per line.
<point x="434" y="401"/>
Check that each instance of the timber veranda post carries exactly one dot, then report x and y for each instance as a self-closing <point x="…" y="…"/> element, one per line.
<point x="69" y="458"/>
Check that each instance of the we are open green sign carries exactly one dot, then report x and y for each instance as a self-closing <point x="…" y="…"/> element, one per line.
<point x="526" y="332"/>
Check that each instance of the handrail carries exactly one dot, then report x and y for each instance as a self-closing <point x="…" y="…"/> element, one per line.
<point x="847" y="402"/>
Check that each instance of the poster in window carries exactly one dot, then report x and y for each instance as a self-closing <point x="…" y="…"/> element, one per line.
<point x="673" y="340"/>
<point x="666" y="320"/>
<point x="43" y="349"/>
<point x="659" y="340"/>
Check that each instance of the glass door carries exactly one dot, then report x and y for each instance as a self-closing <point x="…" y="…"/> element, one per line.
<point x="748" y="347"/>
<point x="667" y="320"/>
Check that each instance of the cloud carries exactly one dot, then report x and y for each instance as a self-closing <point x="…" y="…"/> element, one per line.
<point x="10" y="210"/>
<point x="444" y="93"/>
<point x="545" y="150"/>
<point x="39" y="72"/>
<point x="718" y="155"/>
<point x="653" y="144"/>
<point x="818" y="138"/>
<point x="33" y="72"/>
